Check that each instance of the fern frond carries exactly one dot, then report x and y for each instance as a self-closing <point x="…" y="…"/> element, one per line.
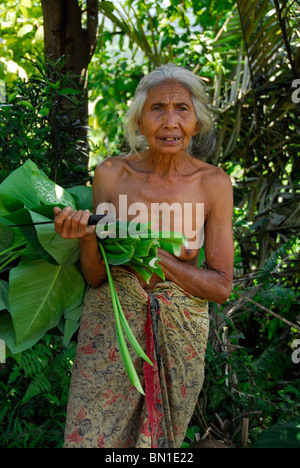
<point x="40" y="384"/>
<point x="32" y="364"/>
<point x="270" y="264"/>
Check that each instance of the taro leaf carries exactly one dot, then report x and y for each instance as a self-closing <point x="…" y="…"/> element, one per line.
<point x="39" y="293"/>
<point x="8" y="204"/>
<point x="19" y="185"/>
<point x="120" y="258"/>
<point x="7" y="334"/>
<point x="282" y="435"/>
<point x="3" y="210"/>
<point x="47" y="210"/>
<point x="74" y="314"/>
<point x="30" y="185"/>
<point x="70" y="328"/>
<point x="9" y="237"/>
<point x="63" y="251"/>
<point x="49" y="192"/>
<point x="34" y="248"/>
<point x="6" y="237"/>
<point x="71" y="323"/>
<point x="201" y="256"/>
<point x="142" y="271"/>
<point x="170" y="236"/>
<point x="3" y="295"/>
<point x="173" y="248"/>
<point x="142" y="247"/>
<point x="83" y="197"/>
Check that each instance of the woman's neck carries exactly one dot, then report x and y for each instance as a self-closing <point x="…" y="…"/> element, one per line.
<point x="166" y="166"/>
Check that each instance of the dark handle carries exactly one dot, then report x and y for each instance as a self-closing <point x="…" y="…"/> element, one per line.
<point x="94" y="219"/>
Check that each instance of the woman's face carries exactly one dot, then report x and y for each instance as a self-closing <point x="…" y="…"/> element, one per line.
<point x="168" y="119"/>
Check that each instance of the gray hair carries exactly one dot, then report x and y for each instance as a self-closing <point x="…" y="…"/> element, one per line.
<point x="203" y="144"/>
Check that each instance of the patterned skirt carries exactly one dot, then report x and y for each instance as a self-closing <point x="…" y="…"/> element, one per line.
<point x="105" y="410"/>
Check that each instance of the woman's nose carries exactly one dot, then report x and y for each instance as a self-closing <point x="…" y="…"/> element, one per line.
<point x="170" y="119"/>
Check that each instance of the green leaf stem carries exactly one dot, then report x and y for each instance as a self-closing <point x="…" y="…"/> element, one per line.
<point x="121" y="320"/>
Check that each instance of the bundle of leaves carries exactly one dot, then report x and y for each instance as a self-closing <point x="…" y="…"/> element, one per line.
<point x="42" y="287"/>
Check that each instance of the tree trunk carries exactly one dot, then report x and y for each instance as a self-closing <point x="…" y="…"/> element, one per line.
<point x="65" y="35"/>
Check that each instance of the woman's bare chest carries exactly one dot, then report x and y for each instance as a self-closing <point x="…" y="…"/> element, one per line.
<point x="175" y="207"/>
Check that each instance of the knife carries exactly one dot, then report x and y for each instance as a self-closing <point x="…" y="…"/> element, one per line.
<point x="93" y="220"/>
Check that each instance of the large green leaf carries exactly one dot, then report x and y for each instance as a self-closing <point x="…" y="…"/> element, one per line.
<point x="34" y="249"/>
<point x="8" y="203"/>
<point x="39" y="293"/>
<point x="6" y="237"/>
<point x="49" y="192"/>
<point x="31" y="186"/>
<point x="3" y="295"/>
<point x="70" y="327"/>
<point x="64" y="251"/>
<point x="284" y="435"/>
<point x="7" y="334"/>
<point x="83" y="196"/>
<point x="19" y="185"/>
<point x="122" y="257"/>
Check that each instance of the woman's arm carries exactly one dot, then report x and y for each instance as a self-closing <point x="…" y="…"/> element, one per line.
<point x="72" y="224"/>
<point x="214" y="282"/>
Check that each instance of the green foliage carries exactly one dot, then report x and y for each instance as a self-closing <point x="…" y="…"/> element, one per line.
<point x="33" y="395"/>
<point x="22" y="37"/>
<point x="248" y="56"/>
<point x="37" y="259"/>
<point x="259" y="385"/>
<point x="34" y="125"/>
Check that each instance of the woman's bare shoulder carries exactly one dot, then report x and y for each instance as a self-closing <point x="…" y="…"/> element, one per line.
<point x="211" y="174"/>
<point x="111" y="163"/>
<point x="110" y="167"/>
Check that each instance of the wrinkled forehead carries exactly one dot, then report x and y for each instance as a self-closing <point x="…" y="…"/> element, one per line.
<point x="169" y="90"/>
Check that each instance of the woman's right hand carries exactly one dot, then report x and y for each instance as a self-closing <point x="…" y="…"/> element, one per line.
<point x="72" y="224"/>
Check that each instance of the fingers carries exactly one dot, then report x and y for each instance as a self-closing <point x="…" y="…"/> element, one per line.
<point x="164" y="253"/>
<point x="56" y="210"/>
<point x="72" y="224"/>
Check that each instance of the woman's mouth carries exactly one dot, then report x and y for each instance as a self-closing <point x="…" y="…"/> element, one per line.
<point x="170" y="139"/>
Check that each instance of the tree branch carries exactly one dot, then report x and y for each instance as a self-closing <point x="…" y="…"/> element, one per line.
<point x="267" y="310"/>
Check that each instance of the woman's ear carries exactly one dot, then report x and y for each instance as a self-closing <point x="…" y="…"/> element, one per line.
<point x="197" y="127"/>
<point x="140" y="126"/>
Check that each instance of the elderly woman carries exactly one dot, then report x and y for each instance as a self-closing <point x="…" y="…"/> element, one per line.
<point x="169" y="318"/>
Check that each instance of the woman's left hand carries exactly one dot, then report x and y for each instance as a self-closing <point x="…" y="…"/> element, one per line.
<point x="166" y="260"/>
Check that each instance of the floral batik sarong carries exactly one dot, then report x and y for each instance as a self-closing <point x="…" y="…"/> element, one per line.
<point x="105" y="410"/>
